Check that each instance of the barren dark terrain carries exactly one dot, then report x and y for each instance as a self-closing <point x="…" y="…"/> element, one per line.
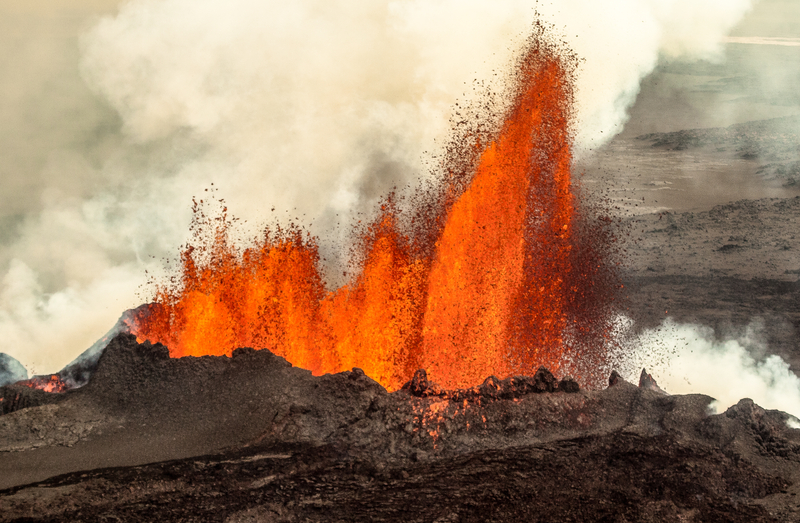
<point x="251" y="438"/>
<point x="711" y="233"/>
<point x="722" y="268"/>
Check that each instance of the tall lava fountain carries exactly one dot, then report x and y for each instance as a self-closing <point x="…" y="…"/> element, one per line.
<point x="497" y="269"/>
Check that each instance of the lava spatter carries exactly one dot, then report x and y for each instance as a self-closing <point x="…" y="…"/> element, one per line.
<point x="502" y="270"/>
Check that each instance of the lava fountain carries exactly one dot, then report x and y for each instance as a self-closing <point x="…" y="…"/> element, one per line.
<point x="499" y="270"/>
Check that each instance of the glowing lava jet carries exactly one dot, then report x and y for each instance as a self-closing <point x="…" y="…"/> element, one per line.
<point x="498" y="273"/>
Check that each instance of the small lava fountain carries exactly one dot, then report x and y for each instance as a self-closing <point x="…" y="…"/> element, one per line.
<point x="499" y="268"/>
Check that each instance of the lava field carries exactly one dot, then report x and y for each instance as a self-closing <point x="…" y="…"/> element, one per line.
<point x="251" y="438"/>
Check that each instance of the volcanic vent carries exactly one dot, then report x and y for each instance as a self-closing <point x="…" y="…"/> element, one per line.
<point x="496" y="268"/>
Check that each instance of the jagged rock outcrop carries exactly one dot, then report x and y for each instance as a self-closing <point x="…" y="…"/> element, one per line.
<point x="250" y="435"/>
<point x="646" y="381"/>
<point x="19" y="396"/>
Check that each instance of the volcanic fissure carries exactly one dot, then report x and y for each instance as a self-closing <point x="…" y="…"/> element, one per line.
<point x="497" y="268"/>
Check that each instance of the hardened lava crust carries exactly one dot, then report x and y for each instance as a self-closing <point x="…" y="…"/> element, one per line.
<point x="251" y="438"/>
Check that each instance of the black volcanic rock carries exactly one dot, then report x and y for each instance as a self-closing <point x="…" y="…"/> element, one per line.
<point x="493" y="388"/>
<point x="567" y="384"/>
<point x="78" y="372"/>
<point x="646" y="381"/>
<point x="17" y="392"/>
<point x="251" y="438"/>
<point x="418" y="386"/>
<point x="614" y="378"/>
<point x="18" y="396"/>
<point x="544" y="381"/>
<point x="260" y="394"/>
<point x="610" y="478"/>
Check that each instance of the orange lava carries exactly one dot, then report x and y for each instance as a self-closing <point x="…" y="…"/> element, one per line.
<point x="519" y="201"/>
<point x="47" y="383"/>
<point x="506" y="276"/>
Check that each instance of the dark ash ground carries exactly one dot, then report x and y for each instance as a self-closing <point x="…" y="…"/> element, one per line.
<point x="251" y="438"/>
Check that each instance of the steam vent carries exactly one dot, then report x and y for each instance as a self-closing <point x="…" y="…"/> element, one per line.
<point x="463" y="372"/>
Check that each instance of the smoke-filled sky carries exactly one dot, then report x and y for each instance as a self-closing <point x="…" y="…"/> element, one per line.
<point x="116" y="113"/>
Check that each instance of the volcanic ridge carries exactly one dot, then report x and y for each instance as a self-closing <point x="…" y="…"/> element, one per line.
<point x="252" y="438"/>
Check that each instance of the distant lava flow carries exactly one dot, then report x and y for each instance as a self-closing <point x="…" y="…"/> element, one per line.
<point x="498" y="269"/>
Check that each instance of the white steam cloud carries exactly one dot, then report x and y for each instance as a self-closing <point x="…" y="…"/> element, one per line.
<point x="315" y="107"/>
<point x="687" y="358"/>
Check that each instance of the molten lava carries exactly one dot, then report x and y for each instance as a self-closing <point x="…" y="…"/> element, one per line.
<point x="501" y="275"/>
<point x="47" y="383"/>
<point x="490" y="267"/>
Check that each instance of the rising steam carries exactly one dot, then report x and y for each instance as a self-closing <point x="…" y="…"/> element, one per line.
<point x="688" y="358"/>
<point x="312" y="107"/>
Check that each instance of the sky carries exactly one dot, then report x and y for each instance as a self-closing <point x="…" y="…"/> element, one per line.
<point x="116" y="113"/>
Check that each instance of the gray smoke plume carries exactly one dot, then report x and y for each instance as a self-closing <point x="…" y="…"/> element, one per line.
<point x="11" y="370"/>
<point x="689" y="358"/>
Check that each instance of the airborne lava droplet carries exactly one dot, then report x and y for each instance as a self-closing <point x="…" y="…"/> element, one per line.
<point x="500" y="270"/>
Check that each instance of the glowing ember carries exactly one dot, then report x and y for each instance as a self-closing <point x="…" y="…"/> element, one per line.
<point x="47" y="383"/>
<point x="505" y="250"/>
<point x="500" y="275"/>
